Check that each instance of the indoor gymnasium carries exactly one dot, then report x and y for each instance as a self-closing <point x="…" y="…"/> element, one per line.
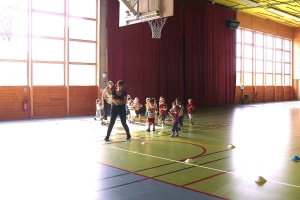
<point x="230" y="70"/>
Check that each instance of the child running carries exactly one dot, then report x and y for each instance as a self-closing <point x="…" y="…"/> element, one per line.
<point x="174" y="116"/>
<point x="190" y="108"/>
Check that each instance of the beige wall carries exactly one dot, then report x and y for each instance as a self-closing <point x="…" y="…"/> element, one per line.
<point x="264" y="25"/>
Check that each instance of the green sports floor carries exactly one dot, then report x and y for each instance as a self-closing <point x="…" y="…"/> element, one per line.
<point x="67" y="158"/>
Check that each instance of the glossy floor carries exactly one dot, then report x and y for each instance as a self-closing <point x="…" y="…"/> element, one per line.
<point x="67" y="159"/>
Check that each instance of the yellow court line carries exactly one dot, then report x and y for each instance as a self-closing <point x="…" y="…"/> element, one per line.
<point x="218" y="170"/>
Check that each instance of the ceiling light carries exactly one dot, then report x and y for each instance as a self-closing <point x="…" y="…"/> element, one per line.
<point x="251" y="3"/>
<point x="283" y="14"/>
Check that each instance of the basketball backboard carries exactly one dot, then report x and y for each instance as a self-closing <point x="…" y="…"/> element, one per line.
<point x="137" y="11"/>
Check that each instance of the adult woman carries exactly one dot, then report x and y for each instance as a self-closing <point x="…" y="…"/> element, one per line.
<point x="119" y="99"/>
<point x="106" y="98"/>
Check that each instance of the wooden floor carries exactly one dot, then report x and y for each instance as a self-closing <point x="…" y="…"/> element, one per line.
<point x="67" y="158"/>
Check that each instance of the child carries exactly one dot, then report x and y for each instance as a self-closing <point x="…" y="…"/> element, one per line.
<point x="173" y="105"/>
<point x="138" y="106"/>
<point x="98" y="109"/>
<point x="132" y="111"/>
<point x="146" y="112"/>
<point x="156" y="111"/>
<point x="180" y="112"/>
<point x="127" y="107"/>
<point x="147" y="106"/>
<point x="159" y="102"/>
<point x="174" y="116"/>
<point x="190" y="108"/>
<point x="151" y="115"/>
<point x="162" y="110"/>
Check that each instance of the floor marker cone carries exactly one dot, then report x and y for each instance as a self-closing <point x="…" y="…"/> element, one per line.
<point x="189" y="161"/>
<point x="260" y="179"/>
<point x="295" y="158"/>
<point x="231" y="146"/>
<point x="144" y="142"/>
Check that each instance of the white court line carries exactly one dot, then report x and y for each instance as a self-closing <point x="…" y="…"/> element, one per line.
<point x="218" y="170"/>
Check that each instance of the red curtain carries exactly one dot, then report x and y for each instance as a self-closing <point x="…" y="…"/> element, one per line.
<point x="195" y="57"/>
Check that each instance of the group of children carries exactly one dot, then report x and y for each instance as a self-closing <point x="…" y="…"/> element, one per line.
<point x="154" y="112"/>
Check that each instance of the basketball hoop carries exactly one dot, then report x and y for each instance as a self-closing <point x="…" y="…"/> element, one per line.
<point x="156" y="26"/>
<point x="7" y="8"/>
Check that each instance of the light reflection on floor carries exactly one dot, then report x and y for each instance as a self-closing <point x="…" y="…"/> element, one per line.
<point x="59" y="158"/>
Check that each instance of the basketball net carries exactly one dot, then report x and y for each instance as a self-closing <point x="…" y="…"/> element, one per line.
<point x="156" y="26"/>
<point x="7" y="8"/>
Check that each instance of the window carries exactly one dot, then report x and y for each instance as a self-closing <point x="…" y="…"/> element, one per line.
<point x="278" y="80"/>
<point x="82" y="74"/>
<point x="47" y="25"/>
<point x="248" y="65"/>
<point x="259" y="39"/>
<point x="269" y="79"/>
<point x="47" y="49"/>
<point x="269" y="65"/>
<point x="56" y="6"/>
<point x="269" y="55"/>
<point x="259" y="80"/>
<point x="82" y="52"/>
<point x="248" y="79"/>
<point x="51" y="50"/>
<point x="259" y="53"/>
<point x="238" y="50"/>
<point x="81" y="8"/>
<point x="13" y="73"/>
<point x="269" y="41"/>
<point x="248" y="51"/>
<point x="259" y="66"/>
<point x="48" y="74"/>
<point x="248" y="37"/>
<point x="238" y="78"/>
<point x="78" y="29"/>
<point x="278" y="43"/>
<point x="8" y="49"/>
<point x="19" y="24"/>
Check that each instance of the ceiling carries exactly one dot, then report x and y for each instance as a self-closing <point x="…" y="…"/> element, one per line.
<point x="259" y="8"/>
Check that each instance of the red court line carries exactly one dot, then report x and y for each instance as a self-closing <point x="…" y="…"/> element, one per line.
<point x="165" y="182"/>
<point x="295" y="138"/>
<point x="293" y="149"/>
<point x="203" y="179"/>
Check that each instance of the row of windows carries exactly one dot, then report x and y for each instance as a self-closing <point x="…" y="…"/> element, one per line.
<point x="40" y="45"/>
<point x="263" y="59"/>
<point x="78" y="8"/>
<point x="261" y="53"/>
<point x="49" y="25"/>
<point x="47" y="50"/>
<point x="15" y="73"/>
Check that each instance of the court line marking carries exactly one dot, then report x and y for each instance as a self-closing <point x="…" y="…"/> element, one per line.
<point x="148" y="177"/>
<point x="170" y="163"/>
<point x="218" y="170"/>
